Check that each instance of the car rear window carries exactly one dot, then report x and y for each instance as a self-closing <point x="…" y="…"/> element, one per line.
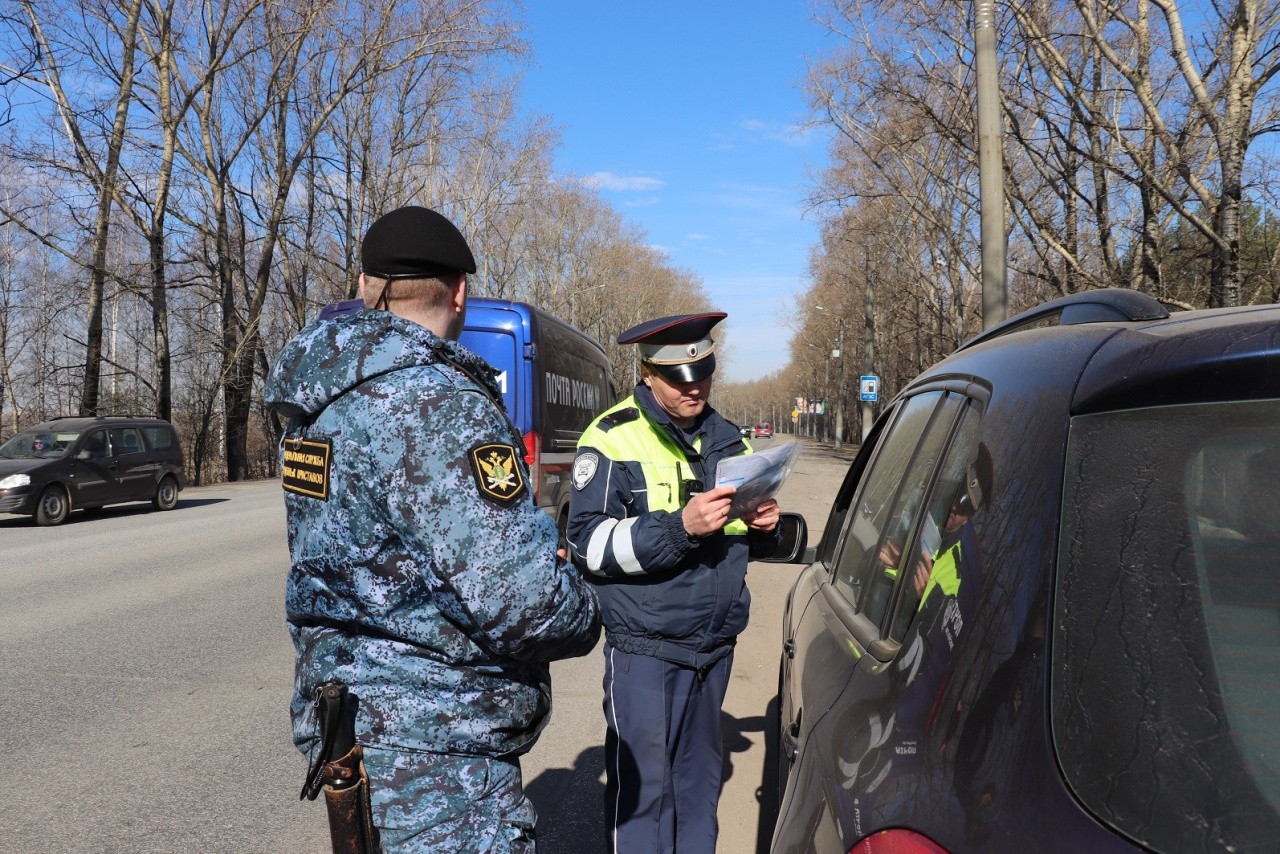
<point x="1166" y="647"/>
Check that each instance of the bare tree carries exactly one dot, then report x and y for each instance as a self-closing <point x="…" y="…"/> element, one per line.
<point x="118" y="24"/>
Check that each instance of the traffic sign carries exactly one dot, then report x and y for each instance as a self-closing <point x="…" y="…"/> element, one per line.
<point x="869" y="387"/>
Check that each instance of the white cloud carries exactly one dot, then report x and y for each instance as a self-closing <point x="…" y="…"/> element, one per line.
<point x="623" y="183"/>
<point x="796" y="134"/>
<point x="696" y="236"/>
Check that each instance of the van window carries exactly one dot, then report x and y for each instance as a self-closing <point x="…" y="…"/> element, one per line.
<point x="159" y="438"/>
<point x="1166" y="652"/>
<point x="96" y="445"/>
<point x="126" y="440"/>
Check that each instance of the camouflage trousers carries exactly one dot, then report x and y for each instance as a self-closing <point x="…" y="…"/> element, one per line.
<point x="431" y="802"/>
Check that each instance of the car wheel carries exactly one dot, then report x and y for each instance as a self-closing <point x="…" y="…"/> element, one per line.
<point x="166" y="494"/>
<point x="53" y="506"/>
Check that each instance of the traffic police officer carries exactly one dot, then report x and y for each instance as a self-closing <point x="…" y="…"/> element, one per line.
<point x="423" y="575"/>
<point x="670" y="568"/>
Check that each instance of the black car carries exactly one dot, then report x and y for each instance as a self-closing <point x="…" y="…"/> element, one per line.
<point x="86" y="463"/>
<point x="1045" y="611"/>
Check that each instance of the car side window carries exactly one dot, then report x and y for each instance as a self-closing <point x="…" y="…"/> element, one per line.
<point x="159" y="438"/>
<point x="95" y="444"/>
<point x="885" y="510"/>
<point x="126" y="440"/>
<point x="938" y="523"/>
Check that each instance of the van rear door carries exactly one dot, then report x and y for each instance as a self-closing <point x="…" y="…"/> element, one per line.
<point x="497" y="336"/>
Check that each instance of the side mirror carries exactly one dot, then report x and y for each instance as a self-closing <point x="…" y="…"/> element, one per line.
<point x="83" y="455"/>
<point x="794" y="546"/>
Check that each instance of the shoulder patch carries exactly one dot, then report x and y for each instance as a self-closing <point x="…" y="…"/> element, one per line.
<point x="306" y="467"/>
<point x="613" y="419"/>
<point x="584" y="469"/>
<point x="496" y="468"/>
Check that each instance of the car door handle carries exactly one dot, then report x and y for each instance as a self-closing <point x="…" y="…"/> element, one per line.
<point x="789" y="647"/>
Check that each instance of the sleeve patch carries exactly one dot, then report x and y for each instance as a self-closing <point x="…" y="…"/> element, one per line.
<point x="307" y="466"/>
<point x="584" y="469"/>
<point x="497" y="472"/>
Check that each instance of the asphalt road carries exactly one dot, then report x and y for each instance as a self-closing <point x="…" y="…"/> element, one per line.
<point x="146" y="675"/>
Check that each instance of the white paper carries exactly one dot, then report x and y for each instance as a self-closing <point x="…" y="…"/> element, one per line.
<point x="757" y="476"/>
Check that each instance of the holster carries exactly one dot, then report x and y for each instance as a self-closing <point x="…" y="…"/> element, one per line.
<point x="338" y="771"/>
<point x="350" y="814"/>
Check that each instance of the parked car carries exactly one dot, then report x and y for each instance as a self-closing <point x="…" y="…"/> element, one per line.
<point x="85" y="463"/>
<point x="763" y="430"/>
<point x="1043" y="614"/>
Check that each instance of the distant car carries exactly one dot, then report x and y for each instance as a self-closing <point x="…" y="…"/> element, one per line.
<point x="85" y="463"/>
<point x="1043" y="613"/>
<point x="746" y="432"/>
<point x="763" y="430"/>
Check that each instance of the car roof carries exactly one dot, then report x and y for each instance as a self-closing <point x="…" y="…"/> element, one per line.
<point x="85" y="422"/>
<point x="1113" y="363"/>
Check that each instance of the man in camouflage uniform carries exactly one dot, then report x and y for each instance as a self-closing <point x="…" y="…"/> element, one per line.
<point x="423" y="575"/>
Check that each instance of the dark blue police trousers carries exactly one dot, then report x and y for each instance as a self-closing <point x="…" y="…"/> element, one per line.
<point x="663" y="759"/>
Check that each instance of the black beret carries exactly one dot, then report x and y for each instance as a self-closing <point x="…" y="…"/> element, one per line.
<point x="414" y="241"/>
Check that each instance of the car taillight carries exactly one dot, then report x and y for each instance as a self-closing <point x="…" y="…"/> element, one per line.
<point x="897" y="841"/>
<point x="533" y="459"/>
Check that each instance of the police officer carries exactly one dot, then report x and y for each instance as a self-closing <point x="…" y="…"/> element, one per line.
<point x="423" y="576"/>
<point x="670" y="568"/>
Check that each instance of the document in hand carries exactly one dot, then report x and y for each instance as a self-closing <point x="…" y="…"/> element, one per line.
<point x="757" y="476"/>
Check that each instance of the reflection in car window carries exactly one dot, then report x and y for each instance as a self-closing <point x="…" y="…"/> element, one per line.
<point x="887" y="504"/>
<point x="932" y="529"/>
<point x="1167" y="660"/>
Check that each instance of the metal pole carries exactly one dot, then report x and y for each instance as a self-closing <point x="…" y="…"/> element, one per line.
<point x="995" y="307"/>
<point x="869" y="329"/>
<point x="840" y="389"/>
<point x="826" y="398"/>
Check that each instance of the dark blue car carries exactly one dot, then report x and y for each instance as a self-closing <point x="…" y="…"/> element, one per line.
<point x="1045" y="611"/>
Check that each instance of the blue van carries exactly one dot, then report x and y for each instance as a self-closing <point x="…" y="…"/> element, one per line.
<point x="554" y="379"/>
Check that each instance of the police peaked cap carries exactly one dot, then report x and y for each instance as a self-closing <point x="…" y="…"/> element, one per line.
<point x="679" y="348"/>
<point x="414" y="242"/>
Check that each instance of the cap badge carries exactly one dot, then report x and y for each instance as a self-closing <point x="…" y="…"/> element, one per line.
<point x="692" y="350"/>
<point x="497" y="473"/>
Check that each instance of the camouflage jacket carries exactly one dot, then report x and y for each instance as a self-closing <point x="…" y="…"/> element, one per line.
<point x="423" y="575"/>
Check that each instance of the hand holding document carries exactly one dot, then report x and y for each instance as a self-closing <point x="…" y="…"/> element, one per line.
<point x="757" y="476"/>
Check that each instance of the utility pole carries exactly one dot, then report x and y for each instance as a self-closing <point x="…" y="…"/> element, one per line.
<point x="995" y="302"/>
<point x="838" y="353"/>
<point x="869" y="330"/>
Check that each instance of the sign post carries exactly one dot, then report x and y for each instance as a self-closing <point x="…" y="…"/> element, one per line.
<point x="869" y="393"/>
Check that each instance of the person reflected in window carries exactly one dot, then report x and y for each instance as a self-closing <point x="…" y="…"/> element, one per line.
<point x="948" y="581"/>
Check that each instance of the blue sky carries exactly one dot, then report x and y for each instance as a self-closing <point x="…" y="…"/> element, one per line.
<point x="688" y="115"/>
